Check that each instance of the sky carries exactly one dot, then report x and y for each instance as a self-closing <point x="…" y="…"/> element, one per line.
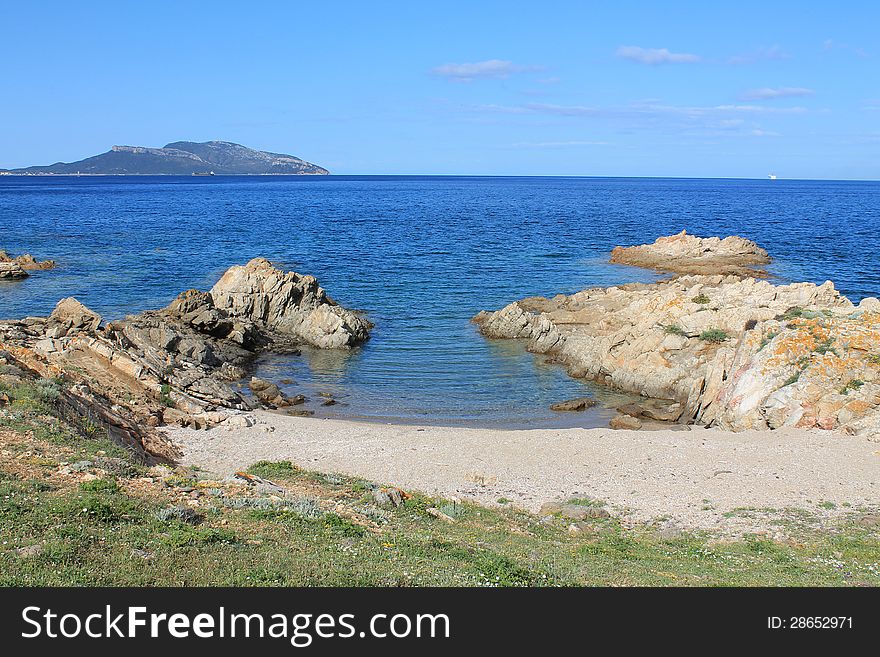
<point x="694" y="89"/>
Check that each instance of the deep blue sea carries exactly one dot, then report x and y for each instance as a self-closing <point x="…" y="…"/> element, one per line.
<point x="421" y="255"/>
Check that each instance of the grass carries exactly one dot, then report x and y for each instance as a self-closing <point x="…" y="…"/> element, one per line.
<point x="673" y="329"/>
<point x="585" y="501"/>
<point x="701" y="299"/>
<point x="164" y="396"/>
<point x="854" y="384"/>
<point x="714" y="335"/>
<point x="272" y="469"/>
<point x="874" y="359"/>
<point x="96" y="527"/>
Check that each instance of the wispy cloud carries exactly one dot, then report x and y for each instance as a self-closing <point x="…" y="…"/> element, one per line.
<point x="772" y="93"/>
<point x="764" y="53"/>
<point x="721" y="120"/>
<point x="830" y="44"/>
<point x="491" y="68"/>
<point x="648" y="109"/>
<point x="655" y="56"/>
<point x="557" y="144"/>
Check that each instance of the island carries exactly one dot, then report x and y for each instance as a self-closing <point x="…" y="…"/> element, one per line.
<point x="180" y="158"/>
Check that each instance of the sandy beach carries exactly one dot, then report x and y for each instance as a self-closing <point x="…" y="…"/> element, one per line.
<point x="688" y="478"/>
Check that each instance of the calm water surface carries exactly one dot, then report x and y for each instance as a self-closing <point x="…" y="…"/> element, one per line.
<point x="421" y="255"/>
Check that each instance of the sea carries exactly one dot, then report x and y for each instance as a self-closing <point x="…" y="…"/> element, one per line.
<point x="420" y="255"/>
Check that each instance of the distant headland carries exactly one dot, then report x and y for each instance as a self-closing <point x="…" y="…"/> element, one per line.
<point x="180" y="158"/>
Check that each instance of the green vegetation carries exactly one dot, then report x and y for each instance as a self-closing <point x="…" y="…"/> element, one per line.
<point x="586" y="501"/>
<point x="874" y="359"/>
<point x="824" y="347"/>
<point x="854" y="384"/>
<point x="701" y="299"/>
<point x="768" y="337"/>
<point x="714" y="335"/>
<point x="164" y="397"/>
<point x="793" y="378"/>
<point x="67" y="517"/>
<point x="673" y="329"/>
<point x="272" y="469"/>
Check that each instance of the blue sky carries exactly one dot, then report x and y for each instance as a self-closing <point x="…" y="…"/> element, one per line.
<point x="494" y="88"/>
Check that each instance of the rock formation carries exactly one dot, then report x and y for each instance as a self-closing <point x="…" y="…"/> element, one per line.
<point x="730" y="352"/>
<point x="687" y="254"/>
<point x="13" y="269"/>
<point x="176" y="364"/>
<point x="287" y="304"/>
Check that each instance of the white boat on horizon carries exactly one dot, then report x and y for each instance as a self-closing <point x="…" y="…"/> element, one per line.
<point x="771" y="176"/>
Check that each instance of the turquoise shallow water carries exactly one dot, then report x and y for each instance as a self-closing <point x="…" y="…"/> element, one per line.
<point x="421" y="255"/>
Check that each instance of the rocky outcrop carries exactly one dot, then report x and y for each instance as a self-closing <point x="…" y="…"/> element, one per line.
<point x="25" y="263"/>
<point x="687" y="254"/>
<point x="722" y="350"/>
<point x="288" y="304"/>
<point x="12" y="271"/>
<point x="177" y="364"/>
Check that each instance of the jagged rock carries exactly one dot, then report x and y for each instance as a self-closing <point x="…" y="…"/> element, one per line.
<point x="288" y="304"/>
<point x="747" y="354"/>
<point x="24" y="262"/>
<point x="174" y="365"/>
<point x="579" y="404"/>
<point x="12" y="271"/>
<point x="70" y="314"/>
<point x="270" y="394"/>
<point x="687" y="254"/>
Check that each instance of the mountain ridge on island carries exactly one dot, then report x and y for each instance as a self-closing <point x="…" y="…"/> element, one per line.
<point x="181" y="158"/>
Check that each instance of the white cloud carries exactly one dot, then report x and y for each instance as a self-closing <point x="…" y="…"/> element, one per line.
<point x="758" y="132"/>
<point x="491" y="68"/>
<point x="655" y="55"/>
<point x="557" y="144"/>
<point x="772" y="93"/>
<point x="765" y="53"/>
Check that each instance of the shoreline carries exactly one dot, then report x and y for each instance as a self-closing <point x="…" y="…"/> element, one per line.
<point x="705" y="479"/>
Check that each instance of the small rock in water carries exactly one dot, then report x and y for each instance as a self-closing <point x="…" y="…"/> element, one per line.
<point x="579" y="404"/>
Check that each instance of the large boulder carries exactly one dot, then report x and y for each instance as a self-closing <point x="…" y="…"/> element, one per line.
<point x="688" y="254"/>
<point x="71" y="315"/>
<point x="12" y="271"/>
<point x="288" y="304"/>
